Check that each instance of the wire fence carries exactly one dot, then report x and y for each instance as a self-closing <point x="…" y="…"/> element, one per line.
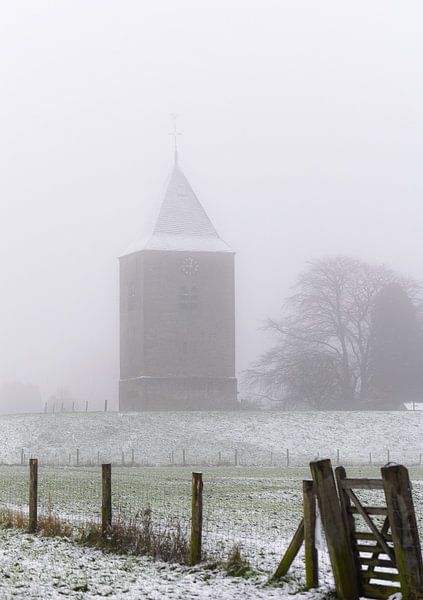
<point x="257" y="512"/>
<point x="241" y="457"/>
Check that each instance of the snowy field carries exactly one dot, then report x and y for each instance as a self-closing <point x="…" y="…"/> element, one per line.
<point x="252" y="504"/>
<point x="34" y="568"/>
<point x="260" y="438"/>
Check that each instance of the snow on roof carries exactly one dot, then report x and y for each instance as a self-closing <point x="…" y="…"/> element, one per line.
<point x="182" y="224"/>
<point x="413" y="405"/>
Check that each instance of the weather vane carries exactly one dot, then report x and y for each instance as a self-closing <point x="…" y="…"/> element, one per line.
<point x="175" y="134"/>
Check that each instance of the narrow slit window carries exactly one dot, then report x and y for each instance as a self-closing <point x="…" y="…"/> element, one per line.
<point x="184" y="298"/>
<point x="193" y="298"/>
<point x="132" y="295"/>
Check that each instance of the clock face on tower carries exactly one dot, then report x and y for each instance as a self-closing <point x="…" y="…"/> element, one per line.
<point x="190" y="266"/>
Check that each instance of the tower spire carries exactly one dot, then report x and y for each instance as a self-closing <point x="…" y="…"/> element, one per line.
<point x="175" y="134"/>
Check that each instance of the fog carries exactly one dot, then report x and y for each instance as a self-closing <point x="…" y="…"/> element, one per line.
<point x="302" y="136"/>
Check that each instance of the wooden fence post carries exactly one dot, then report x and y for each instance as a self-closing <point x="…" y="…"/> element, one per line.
<point x="196" y="518"/>
<point x="183" y="457"/>
<point x="310" y="550"/>
<point x="132" y="457"/>
<point x="105" y="406"/>
<point x="290" y="554"/>
<point x="22" y="456"/>
<point x="340" y="551"/>
<point x="236" y="457"/>
<point x="77" y="457"/>
<point x="348" y="517"/>
<point x="402" y="518"/>
<point x="287" y="457"/>
<point x="123" y="458"/>
<point x="106" y="499"/>
<point x="33" y="495"/>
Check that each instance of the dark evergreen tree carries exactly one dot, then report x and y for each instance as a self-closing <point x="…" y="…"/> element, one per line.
<point x="396" y="363"/>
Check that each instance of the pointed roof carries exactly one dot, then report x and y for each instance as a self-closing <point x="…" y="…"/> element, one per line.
<point x="182" y="224"/>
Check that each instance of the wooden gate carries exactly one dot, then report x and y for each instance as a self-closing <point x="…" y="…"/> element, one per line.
<point x="369" y="534"/>
<point x="374" y="549"/>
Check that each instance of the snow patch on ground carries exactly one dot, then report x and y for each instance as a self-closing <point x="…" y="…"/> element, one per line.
<point x="34" y="567"/>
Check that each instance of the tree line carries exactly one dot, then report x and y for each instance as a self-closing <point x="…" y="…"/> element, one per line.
<point x="349" y="337"/>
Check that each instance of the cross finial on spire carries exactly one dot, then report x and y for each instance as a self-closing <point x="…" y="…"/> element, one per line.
<point x="175" y="134"/>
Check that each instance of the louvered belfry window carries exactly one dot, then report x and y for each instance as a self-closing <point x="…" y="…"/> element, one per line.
<point x="189" y="297"/>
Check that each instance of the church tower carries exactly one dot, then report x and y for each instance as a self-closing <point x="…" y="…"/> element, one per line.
<point x="177" y="312"/>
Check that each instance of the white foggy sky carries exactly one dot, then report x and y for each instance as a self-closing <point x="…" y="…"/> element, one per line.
<point x="302" y="136"/>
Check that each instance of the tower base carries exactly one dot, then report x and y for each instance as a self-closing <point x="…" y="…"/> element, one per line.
<point x="177" y="393"/>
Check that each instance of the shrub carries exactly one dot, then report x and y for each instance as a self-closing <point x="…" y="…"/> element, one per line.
<point x="236" y="565"/>
<point x="52" y="526"/>
<point x="13" y="519"/>
<point x="140" y="536"/>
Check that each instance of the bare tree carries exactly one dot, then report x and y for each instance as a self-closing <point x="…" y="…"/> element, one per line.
<point x="292" y="376"/>
<point x="311" y="379"/>
<point x="266" y="378"/>
<point x="327" y="321"/>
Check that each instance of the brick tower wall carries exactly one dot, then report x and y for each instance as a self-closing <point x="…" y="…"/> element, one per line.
<point x="177" y="330"/>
